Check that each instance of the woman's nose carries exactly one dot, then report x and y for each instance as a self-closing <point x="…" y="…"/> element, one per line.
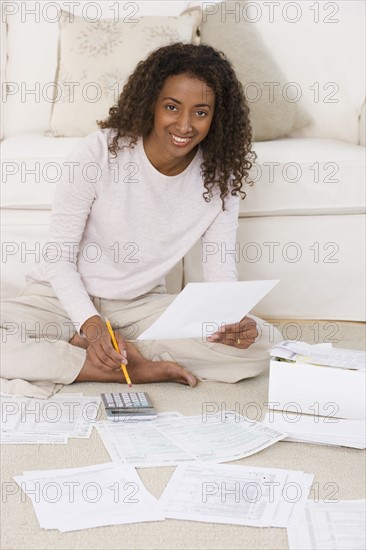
<point x="183" y="123"/>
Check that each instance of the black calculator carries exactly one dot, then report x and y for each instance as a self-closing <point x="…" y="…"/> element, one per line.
<point x="126" y="406"/>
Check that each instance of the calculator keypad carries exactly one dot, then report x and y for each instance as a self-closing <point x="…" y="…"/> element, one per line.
<point x="126" y="400"/>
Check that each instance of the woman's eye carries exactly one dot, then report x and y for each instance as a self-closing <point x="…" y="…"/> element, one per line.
<point x="201" y="114"/>
<point x="170" y="107"/>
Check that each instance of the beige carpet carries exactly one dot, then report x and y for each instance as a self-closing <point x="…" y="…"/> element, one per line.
<point x="339" y="472"/>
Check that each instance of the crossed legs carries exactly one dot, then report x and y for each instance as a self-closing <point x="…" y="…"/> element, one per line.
<point x="141" y="370"/>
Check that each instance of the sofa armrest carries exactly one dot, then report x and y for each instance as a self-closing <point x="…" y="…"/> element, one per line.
<point x="3" y="62"/>
<point x="362" y="125"/>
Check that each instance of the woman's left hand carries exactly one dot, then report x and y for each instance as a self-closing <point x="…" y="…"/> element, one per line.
<point x="239" y="335"/>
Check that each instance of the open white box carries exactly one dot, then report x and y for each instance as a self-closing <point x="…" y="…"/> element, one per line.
<point x="316" y="390"/>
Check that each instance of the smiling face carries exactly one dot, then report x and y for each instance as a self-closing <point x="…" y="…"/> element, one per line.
<point x="183" y="114"/>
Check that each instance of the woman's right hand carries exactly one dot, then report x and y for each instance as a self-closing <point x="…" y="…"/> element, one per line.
<point x="100" y="351"/>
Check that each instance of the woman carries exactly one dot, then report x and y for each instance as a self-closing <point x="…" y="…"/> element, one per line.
<point x="165" y="169"/>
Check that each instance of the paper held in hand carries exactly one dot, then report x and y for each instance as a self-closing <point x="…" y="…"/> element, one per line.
<point x="202" y="308"/>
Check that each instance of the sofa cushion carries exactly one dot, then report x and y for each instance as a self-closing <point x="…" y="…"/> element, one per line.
<point x="31" y="66"/>
<point x="306" y="177"/>
<point x="320" y="46"/>
<point x="273" y="114"/>
<point x="32" y="44"/>
<point x="30" y="168"/>
<point x="99" y="57"/>
<point x="285" y="175"/>
<point x="23" y="235"/>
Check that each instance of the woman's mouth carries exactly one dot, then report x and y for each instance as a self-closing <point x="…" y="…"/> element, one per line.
<point x="179" y="141"/>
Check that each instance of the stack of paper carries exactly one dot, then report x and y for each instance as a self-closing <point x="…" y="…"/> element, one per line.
<point x="318" y="380"/>
<point x="320" y="354"/>
<point x="239" y="495"/>
<point x="55" y="420"/>
<point x="330" y="526"/>
<point x="317" y="429"/>
<point x="79" y="498"/>
<point x="172" y="439"/>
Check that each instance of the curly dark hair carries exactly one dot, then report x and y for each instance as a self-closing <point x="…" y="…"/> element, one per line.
<point x="227" y="154"/>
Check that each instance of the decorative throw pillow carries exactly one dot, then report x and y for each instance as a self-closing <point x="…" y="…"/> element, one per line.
<point x="96" y="58"/>
<point x="270" y="96"/>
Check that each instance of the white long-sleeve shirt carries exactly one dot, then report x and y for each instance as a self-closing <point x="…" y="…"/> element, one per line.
<point x="118" y="226"/>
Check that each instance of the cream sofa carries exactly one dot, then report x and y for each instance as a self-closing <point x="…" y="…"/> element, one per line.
<point x="302" y="221"/>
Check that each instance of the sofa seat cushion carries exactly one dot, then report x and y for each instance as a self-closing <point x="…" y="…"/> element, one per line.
<point x="302" y="176"/>
<point x="306" y="176"/>
<point x="31" y="165"/>
<point x="23" y="236"/>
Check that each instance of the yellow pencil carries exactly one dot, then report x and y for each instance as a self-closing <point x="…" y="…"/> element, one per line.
<point x="115" y="345"/>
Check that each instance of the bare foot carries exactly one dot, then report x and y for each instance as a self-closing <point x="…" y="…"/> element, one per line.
<point x="141" y="371"/>
<point x="160" y="371"/>
<point x="151" y="371"/>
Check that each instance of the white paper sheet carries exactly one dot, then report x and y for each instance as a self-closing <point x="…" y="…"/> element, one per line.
<point x="238" y="495"/>
<point x="201" y="309"/>
<point x="24" y="419"/>
<point x="145" y="447"/>
<point x="32" y="439"/>
<point x="330" y="526"/>
<point x="310" y="428"/>
<point x="93" y="496"/>
<point x="320" y="354"/>
<point x="169" y="441"/>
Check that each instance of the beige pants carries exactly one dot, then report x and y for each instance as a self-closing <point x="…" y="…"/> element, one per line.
<point x="37" y="358"/>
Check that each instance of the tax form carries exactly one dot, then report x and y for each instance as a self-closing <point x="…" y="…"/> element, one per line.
<point x="330" y="526"/>
<point x="170" y="440"/>
<point x="54" y="420"/>
<point x="93" y="496"/>
<point x="237" y="495"/>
